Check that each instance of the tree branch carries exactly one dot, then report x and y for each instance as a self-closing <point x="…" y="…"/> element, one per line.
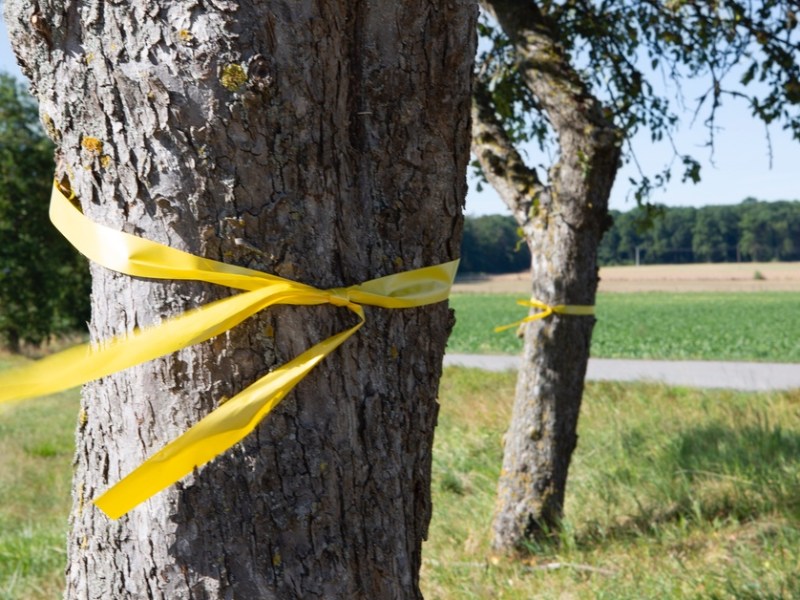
<point x="544" y="66"/>
<point x="517" y="184"/>
<point x="589" y="142"/>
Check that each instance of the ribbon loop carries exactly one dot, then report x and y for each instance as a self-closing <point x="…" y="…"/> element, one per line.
<point x="237" y="417"/>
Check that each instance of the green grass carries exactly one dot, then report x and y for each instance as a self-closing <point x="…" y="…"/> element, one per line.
<point x="703" y="326"/>
<point x="673" y="494"/>
<point x="36" y="448"/>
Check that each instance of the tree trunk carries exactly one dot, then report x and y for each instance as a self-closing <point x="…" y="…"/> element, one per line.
<point x="12" y="341"/>
<point x="543" y="430"/>
<point x="563" y="222"/>
<point x="325" y="142"/>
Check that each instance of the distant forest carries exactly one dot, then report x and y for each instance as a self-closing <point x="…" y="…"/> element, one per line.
<point x="752" y="230"/>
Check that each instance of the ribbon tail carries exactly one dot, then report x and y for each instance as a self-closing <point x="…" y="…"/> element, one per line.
<point x="528" y="319"/>
<point x="88" y="362"/>
<point x="217" y="432"/>
<point x="500" y="328"/>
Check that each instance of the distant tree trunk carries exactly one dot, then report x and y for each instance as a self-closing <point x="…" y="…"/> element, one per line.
<point x="563" y="222"/>
<point x="324" y="142"/>
<point x="12" y="341"/>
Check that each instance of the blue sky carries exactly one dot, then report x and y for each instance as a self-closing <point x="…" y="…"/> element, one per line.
<point x="741" y="165"/>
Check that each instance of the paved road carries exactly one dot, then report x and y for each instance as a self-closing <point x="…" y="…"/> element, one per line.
<point x="705" y="374"/>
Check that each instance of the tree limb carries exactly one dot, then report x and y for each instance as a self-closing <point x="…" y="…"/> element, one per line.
<point x="517" y="184"/>
<point x="588" y="140"/>
<point x="545" y="67"/>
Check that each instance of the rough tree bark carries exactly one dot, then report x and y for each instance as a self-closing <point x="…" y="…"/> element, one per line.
<point x="325" y="142"/>
<point x="563" y="222"/>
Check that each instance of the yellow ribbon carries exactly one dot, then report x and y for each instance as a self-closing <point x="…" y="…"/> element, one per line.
<point x="237" y="417"/>
<point x="546" y="311"/>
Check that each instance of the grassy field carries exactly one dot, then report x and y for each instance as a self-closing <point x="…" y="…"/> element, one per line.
<point x="36" y="448"/>
<point x="673" y="494"/>
<point x="759" y="326"/>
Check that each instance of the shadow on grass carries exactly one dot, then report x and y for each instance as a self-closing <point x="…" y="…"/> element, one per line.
<point x="711" y="474"/>
<point x="755" y="449"/>
<point x="754" y="591"/>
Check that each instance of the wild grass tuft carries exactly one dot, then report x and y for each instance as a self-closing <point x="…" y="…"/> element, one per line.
<point x="36" y="448"/>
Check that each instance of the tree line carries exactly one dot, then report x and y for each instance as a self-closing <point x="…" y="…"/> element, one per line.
<point x="44" y="283"/>
<point x="493" y="244"/>
<point x="753" y="230"/>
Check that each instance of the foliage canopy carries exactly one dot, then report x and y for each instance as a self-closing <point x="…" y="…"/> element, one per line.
<point x="635" y="58"/>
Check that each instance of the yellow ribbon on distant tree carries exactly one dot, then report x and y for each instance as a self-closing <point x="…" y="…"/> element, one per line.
<point x="546" y="311"/>
<point x="237" y="417"/>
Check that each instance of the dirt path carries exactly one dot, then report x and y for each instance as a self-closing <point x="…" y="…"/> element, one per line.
<point x="721" y="277"/>
<point x="701" y="374"/>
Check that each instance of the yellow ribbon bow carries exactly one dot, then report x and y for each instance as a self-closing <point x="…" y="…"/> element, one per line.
<point x="547" y="310"/>
<point x="237" y="417"/>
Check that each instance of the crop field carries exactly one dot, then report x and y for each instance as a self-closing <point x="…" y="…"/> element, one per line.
<point x="673" y="493"/>
<point x="748" y="326"/>
<point x="739" y="311"/>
